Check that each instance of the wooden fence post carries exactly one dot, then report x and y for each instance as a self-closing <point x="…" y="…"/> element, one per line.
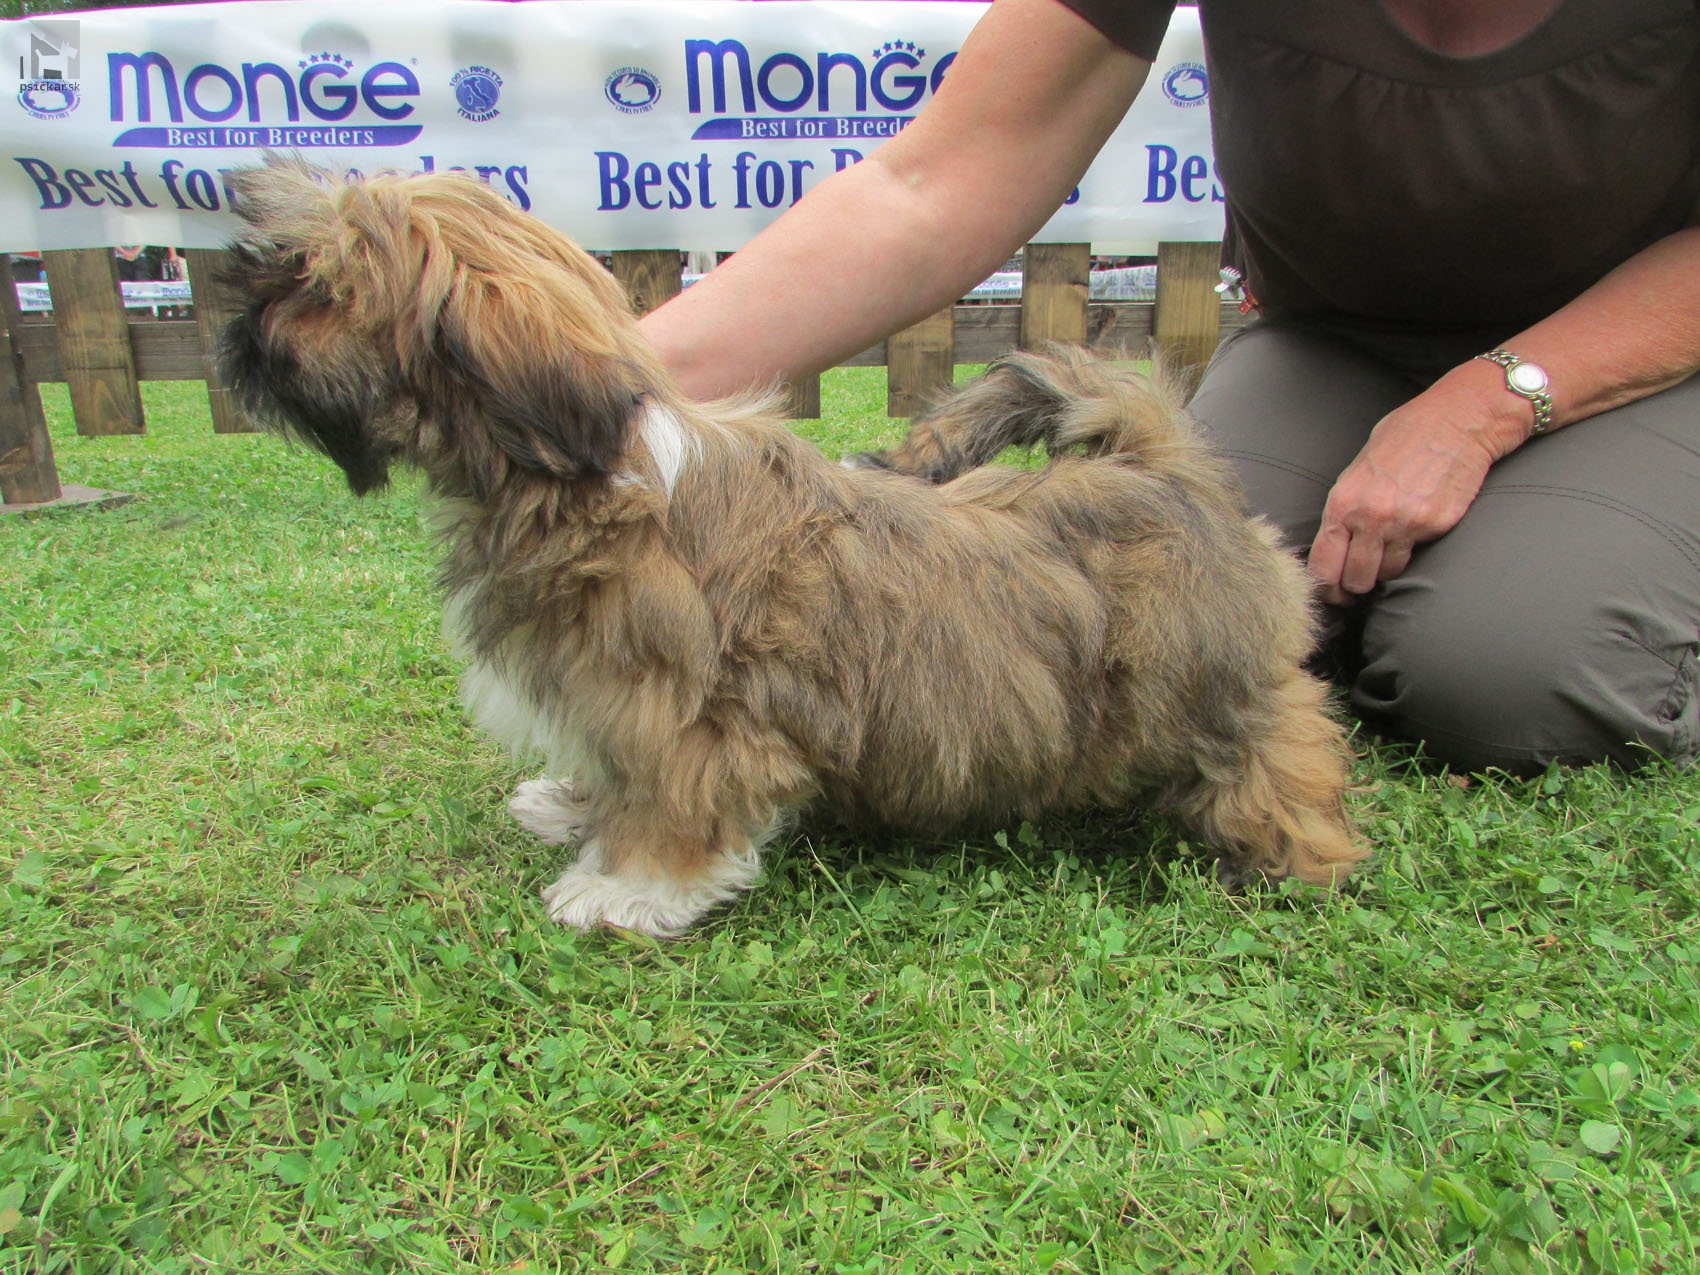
<point x="1055" y="279"/>
<point x="650" y="276"/>
<point x="804" y="404"/>
<point x="215" y="305"/>
<point x="27" y="473"/>
<point x="1188" y="319"/>
<point x="920" y="361"/>
<point x="94" y="341"/>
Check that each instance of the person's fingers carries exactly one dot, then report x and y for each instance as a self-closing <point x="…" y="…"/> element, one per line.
<point x="1327" y="558"/>
<point x="1362" y="567"/>
<point x="1395" y="557"/>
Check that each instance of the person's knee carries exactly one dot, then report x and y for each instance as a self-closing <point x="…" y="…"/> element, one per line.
<point x="1482" y="686"/>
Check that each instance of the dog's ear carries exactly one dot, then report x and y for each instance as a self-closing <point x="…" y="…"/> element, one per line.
<point x="289" y="203"/>
<point x="331" y="409"/>
<point x="287" y="354"/>
<point x="327" y="407"/>
<point x="549" y="380"/>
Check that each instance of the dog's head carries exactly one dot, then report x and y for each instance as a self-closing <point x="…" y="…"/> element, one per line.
<point x="428" y="320"/>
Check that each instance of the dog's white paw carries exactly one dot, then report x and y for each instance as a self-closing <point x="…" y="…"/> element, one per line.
<point x="584" y="896"/>
<point x="548" y="808"/>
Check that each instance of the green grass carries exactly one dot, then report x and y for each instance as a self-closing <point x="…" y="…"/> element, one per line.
<point x="279" y="994"/>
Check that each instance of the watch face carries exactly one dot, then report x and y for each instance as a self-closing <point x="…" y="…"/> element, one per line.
<point x="1526" y="378"/>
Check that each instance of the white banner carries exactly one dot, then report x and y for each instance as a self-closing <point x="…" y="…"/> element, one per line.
<point x="626" y="123"/>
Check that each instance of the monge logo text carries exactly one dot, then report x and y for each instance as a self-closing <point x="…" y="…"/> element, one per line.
<point x="819" y="96"/>
<point x="324" y="100"/>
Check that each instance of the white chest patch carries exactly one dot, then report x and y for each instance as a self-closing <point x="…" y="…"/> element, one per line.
<point x="670" y="444"/>
<point x="503" y="711"/>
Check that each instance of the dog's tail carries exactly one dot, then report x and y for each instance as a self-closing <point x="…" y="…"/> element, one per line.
<point x="1062" y="399"/>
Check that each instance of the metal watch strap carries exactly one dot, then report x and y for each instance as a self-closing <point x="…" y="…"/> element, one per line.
<point x="1531" y="384"/>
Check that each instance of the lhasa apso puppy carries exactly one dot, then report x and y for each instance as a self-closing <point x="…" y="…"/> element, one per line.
<point x="702" y="625"/>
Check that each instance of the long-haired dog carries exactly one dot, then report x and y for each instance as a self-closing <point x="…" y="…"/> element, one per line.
<point x="703" y="625"/>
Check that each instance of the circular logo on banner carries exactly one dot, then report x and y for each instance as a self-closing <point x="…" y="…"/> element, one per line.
<point x="477" y="89"/>
<point x="1186" y="84"/>
<point x="632" y="89"/>
<point x="48" y="99"/>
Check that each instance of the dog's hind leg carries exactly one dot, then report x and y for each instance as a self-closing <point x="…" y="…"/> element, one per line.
<point x="1281" y="812"/>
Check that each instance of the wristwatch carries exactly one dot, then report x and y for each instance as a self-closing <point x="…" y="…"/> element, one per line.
<point x="1526" y="380"/>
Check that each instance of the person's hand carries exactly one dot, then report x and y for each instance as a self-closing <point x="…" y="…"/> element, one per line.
<point x="1423" y="465"/>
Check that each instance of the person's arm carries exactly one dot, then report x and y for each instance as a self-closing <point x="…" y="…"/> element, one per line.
<point x="1632" y="334"/>
<point x="1033" y="95"/>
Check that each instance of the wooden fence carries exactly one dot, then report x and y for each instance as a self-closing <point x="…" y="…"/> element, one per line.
<point x="102" y="353"/>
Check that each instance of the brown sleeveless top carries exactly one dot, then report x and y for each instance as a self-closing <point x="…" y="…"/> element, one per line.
<point x="1369" y="176"/>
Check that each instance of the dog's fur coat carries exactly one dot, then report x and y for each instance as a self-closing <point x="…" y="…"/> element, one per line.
<point x="702" y="624"/>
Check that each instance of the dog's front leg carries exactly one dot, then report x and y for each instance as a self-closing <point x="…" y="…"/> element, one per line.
<point x="636" y="873"/>
<point x="553" y="810"/>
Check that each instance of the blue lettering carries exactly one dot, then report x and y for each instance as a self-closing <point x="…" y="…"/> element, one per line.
<point x="798" y="168"/>
<point x="1160" y="173"/>
<point x="771" y="188"/>
<point x="651" y="185"/>
<point x="770" y="183"/>
<point x="647" y="177"/>
<point x="253" y="73"/>
<point x="679" y="177"/>
<point x="404" y="83"/>
<point x="1192" y="169"/>
<point x="702" y="180"/>
<point x="616" y="192"/>
<point x="54" y="193"/>
<point x="192" y="93"/>
<point x="913" y="86"/>
<point x="199" y="184"/>
<point x="107" y="178"/>
<point x="344" y="95"/>
<point x="695" y="50"/>
<point x="1168" y="174"/>
<point x="764" y="82"/>
<point x="168" y="174"/>
<point x="940" y="69"/>
<point x="827" y="62"/>
<point x="129" y="174"/>
<point x="82" y="183"/>
<point x="710" y="66"/>
<point x="143" y="78"/>
<point x="140" y="68"/>
<point x="740" y="174"/>
<point x="516" y="175"/>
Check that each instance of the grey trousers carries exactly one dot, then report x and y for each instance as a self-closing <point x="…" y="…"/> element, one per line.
<point x="1559" y="621"/>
